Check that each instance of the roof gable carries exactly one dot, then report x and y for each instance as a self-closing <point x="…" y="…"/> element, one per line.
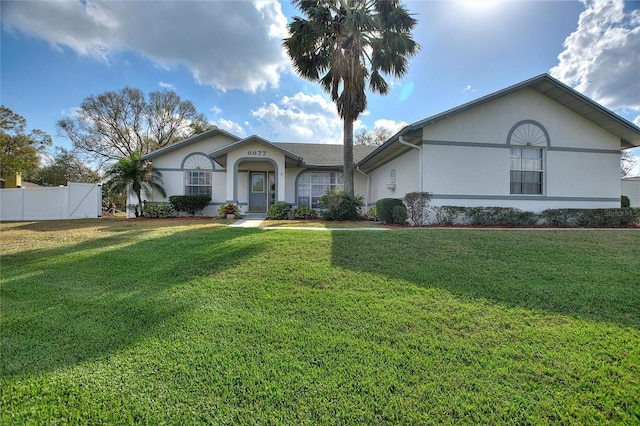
<point x="565" y="96"/>
<point x="188" y="141"/>
<point x="544" y="84"/>
<point x="220" y="155"/>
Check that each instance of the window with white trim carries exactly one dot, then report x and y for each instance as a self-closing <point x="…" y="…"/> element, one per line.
<point x="312" y="185"/>
<point x="197" y="182"/>
<point x="526" y="170"/>
<point x="528" y="140"/>
<point x="197" y="175"/>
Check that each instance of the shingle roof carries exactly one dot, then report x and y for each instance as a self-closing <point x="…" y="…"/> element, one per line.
<point x="324" y="155"/>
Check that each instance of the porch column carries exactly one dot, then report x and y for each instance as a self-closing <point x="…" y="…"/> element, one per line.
<point x="281" y="187"/>
<point x="231" y="182"/>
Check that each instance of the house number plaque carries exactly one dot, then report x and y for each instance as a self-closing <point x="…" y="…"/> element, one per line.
<point x="258" y="153"/>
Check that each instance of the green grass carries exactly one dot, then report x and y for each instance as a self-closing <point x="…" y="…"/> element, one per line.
<point x="187" y="322"/>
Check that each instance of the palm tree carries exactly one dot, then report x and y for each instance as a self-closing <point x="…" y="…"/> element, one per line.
<point x="135" y="175"/>
<point x="345" y="44"/>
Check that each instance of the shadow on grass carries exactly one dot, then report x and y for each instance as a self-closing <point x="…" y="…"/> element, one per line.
<point x="106" y="223"/>
<point x="65" y="306"/>
<point x="588" y="274"/>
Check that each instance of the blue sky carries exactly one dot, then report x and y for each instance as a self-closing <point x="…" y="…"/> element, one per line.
<point x="226" y="57"/>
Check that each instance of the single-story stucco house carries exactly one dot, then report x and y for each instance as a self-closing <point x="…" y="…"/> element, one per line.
<point x="535" y="145"/>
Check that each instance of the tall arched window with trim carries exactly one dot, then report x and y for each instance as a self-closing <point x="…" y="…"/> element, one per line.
<point x="528" y="140"/>
<point x="197" y="175"/>
<point x="312" y="185"/>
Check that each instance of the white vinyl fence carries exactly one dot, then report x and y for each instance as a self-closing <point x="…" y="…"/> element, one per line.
<point x="74" y="201"/>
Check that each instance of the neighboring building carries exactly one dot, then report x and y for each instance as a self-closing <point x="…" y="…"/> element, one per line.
<point x="538" y="144"/>
<point x="12" y="180"/>
<point x="631" y="188"/>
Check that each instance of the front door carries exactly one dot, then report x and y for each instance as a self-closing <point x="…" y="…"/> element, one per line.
<point x="258" y="192"/>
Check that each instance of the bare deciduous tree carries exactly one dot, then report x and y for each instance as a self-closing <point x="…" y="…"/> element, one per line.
<point x="377" y="136"/>
<point x="116" y="124"/>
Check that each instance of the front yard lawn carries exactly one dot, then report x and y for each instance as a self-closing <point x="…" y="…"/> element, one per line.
<point x="190" y="322"/>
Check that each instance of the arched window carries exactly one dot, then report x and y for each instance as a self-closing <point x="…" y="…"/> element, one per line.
<point x="528" y="140"/>
<point x="312" y="185"/>
<point x="197" y="175"/>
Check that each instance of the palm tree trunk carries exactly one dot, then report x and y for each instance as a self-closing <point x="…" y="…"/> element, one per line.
<point x="139" y="203"/>
<point x="348" y="156"/>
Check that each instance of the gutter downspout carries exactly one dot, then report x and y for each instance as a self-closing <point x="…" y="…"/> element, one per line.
<point x="420" y="169"/>
<point x="368" y="194"/>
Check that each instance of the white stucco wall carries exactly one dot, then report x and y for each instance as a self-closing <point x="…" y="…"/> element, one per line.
<point x="406" y="177"/>
<point x="463" y="170"/>
<point x="466" y="157"/>
<point x="491" y="122"/>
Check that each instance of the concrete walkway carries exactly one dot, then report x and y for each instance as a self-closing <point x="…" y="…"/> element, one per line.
<point x="255" y="223"/>
<point x="247" y="223"/>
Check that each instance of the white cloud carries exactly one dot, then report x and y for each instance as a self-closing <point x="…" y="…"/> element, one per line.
<point x="468" y="88"/>
<point x="601" y="57"/>
<point x="167" y="85"/>
<point x="300" y="118"/>
<point x="309" y="118"/>
<point x="231" y="127"/>
<point x="636" y="120"/>
<point x="216" y="109"/>
<point x="225" y="44"/>
<point x="394" y="126"/>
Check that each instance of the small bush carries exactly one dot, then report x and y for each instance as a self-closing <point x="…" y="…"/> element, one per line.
<point x="400" y="215"/>
<point x="417" y="206"/>
<point x="306" y="212"/>
<point x="229" y="208"/>
<point x="279" y="211"/>
<point x="338" y="205"/>
<point x="191" y="204"/>
<point x="384" y="207"/>
<point x="157" y="210"/>
<point x="372" y="214"/>
<point x="625" y="201"/>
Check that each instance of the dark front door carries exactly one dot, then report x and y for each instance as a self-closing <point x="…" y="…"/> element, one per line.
<point x="258" y="192"/>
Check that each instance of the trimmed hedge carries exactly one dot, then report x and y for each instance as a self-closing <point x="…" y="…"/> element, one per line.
<point x="447" y="215"/>
<point x="157" y="210"/>
<point x="384" y="208"/>
<point x="509" y="216"/>
<point x="189" y="203"/>
<point x="592" y="218"/>
<point x="502" y="216"/>
<point x="400" y="215"/>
